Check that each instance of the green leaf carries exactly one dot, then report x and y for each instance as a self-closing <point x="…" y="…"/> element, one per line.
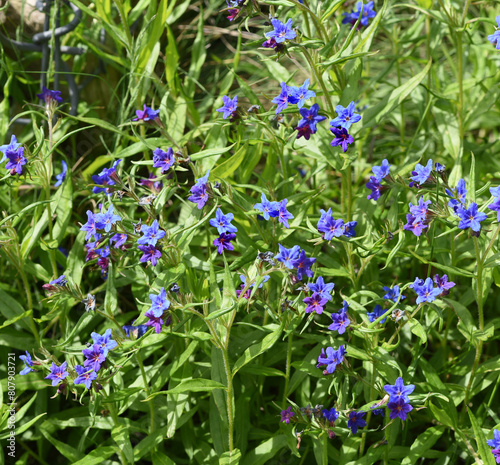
<point x="121" y="435"/>
<point x="191" y="385"/>
<point x="265" y="451"/>
<point x="229" y="166"/>
<point x="259" y="348"/>
<point x="97" y="456"/>
<point x="230" y="458"/>
<point x="417" y="329"/>
<point x="422" y="444"/>
<point x="483" y="449"/>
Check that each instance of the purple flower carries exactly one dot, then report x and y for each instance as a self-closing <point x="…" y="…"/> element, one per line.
<point x="496" y="452"/>
<point x="85" y="376"/>
<point x="57" y="374"/>
<point x="248" y="292"/>
<point x="399" y="391"/>
<point x="346" y="116"/>
<point x="16" y="160"/>
<point x="62" y="176"/>
<point x="392" y="293"/>
<point x="229" y="106"/>
<point x="381" y="172"/>
<point x="443" y="284"/>
<point x="415" y="225"/>
<point x="495" y="206"/>
<point x="146" y="114"/>
<point x="159" y="302"/>
<point x="377" y="411"/>
<point x="349" y="230"/>
<point x="315" y="303"/>
<point x="426" y="291"/>
<point x="281" y="32"/>
<point x="399" y="408"/>
<point x="366" y="12"/>
<point x="342" y="137"/>
<point x="11" y="147"/>
<point x="154" y="321"/>
<point x="340" y="322"/>
<point x="163" y="160"/>
<point x="223" y="222"/>
<point x="330" y="415"/>
<point x="107" y="219"/>
<point x="137" y="331"/>
<point x="356" y="421"/>
<point x="304" y="131"/>
<point x="151" y="234"/>
<point x="286" y="415"/>
<point x="310" y="117"/>
<point x="119" y="239"/>
<point x="151" y="254"/>
<point x="495" y="37"/>
<point x="422" y="173"/>
<point x="224" y="242"/>
<point x="324" y="290"/>
<point x="458" y="195"/>
<point x="61" y="281"/>
<point x="303" y="265"/>
<point x="200" y="195"/>
<point x="95" y="357"/>
<point x="470" y="217"/>
<point x="420" y="211"/>
<point x="283" y="99"/>
<point x="374" y="185"/>
<point x="330" y="226"/>
<point x="299" y="95"/>
<point x="377" y="313"/>
<point x="268" y="208"/>
<point x="331" y="359"/>
<point x="150" y="182"/>
<point x="283" y="214"/>
<point x="50" y="96"/>
<point x="28" y="363"/>
<point x="104" y="178"/>
<point x="288" y="256"/>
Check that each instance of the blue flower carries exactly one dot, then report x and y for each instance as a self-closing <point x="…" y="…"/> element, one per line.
<point x="50" y="96"/>
<point x="137" y="331"/>
<point x="104" y="341"/>
<point x="119" y="239"/>
<point x="349" y="230"/>
<point x="85" y="376"/>
<point x="393" y="293"/>
<point x="283" y="99"/>
<point x="223" y="222"/>
<point x="346" y="116"/>
<point x="374" y="185"/>
<point x="94" y="357"/>
<point x="399" y="390"/>
<point x="163" y="160"/>
<point x="159" y="302"/>
<point x="151" y="234"/>
<point x="415" y="225"/>
<point x="229" y="106"/>
<point x="399" y="408"/>
<point x="331" y="359"/>
<point x="443" y="284"/>
<point x="356" y="421"/>
<point x="324" y="290"/>
<point x="16" y="160"/>
<point x="381" y="172"/>
<point x="104" y="178"/>
<point x="459" y="195"/>
<point x="12" y="146"/>
<point x="283" y="214"/>
<point x="495" y="37"/>
<point x="495" y="442"/>
<point x="146" y="114"/>
<point x="420" y="211"/>
<point x="288" y="256"/>
<point x="299" y="95"/>
<point x="310" y="117"/>
<point x="107" y="219"/>
<point x="330" y="226"/>
<point x="62" y="176"/>
<point x="151" y="254"/>
<point x="267" y="208"/>
<point x="331" y="415"/>
<point x="57" y="374"/>
<point x="61" y="281"/>
<point x="90" y="227"/>
<point x="426" y="291"/>
<point x="303" y="265"/>
<point x="28" y="363"/>
<point x="340" y="321"/>
<point x="281" y="32"/>
<point x="470" y="217"/>
<point x="377" y="313"/>
<point x="422" y="173"/>
<point x="224" y="242"/>
<point x="366" y="12"/>
<point x="155" y="320"/>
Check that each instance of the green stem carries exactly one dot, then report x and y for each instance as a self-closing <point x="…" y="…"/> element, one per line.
<point x="229" y="392"/>
<point x="288" y="369"/>
<point x="148" y="391"/>
<point x="325" y="449"/>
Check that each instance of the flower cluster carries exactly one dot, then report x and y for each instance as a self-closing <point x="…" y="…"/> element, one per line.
<point x="159" y="305"/>
<point x="331" y="359"/>
<point x="163" y="160"/>
<point x="280" y="33"/>
<point x="293" y="95"/>
<point x="295" y="258"/>
<point x="374" y="184"/>
<point x="366" y="12"/>
<point x="340" y="320"/>
<point x="495" y="37"/>
<point x="426" y="291"/>
<point x="107" y="177"/>
<point x="330" y="227"/>
<point x="146" y="114"/>
<point x="272" y="209"/>
<point x="399" y="402"/>
<point x="418" y="218"/>
<point x="341" y="124"/>
<point x="199" y="191"/>
<point x="14" y="153"/>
